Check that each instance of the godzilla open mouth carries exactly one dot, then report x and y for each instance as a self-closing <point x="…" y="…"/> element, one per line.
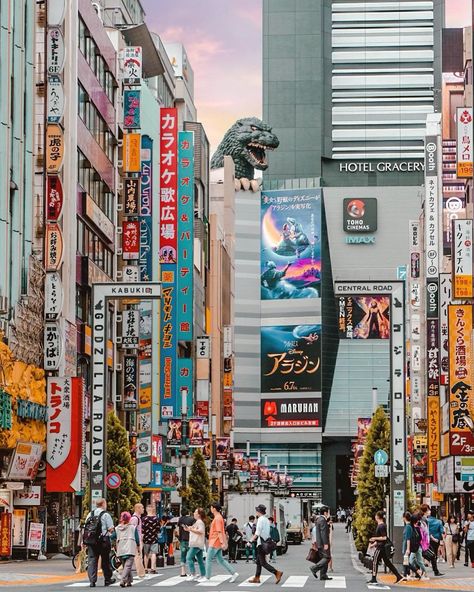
<point x="258" y="154"/>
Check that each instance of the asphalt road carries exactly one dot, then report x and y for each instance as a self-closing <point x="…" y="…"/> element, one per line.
<point x="296" y="576"/>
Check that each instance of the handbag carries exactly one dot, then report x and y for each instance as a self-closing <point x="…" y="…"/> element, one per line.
<point x="268" y="546"/>
<point x="237" y="537"/>
<point x="455" y="536"/>
<point x="313" y="556"/>
<point x="389" y="548"/>
<point x="429" y="554"/>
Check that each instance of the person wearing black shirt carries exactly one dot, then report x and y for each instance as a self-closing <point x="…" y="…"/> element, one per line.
<point x="183" y="537"/>
<point x="233" y="532"/>
<point x="380" y="540"/>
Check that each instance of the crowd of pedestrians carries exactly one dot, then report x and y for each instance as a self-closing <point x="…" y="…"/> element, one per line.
<point x="142" y="540"/>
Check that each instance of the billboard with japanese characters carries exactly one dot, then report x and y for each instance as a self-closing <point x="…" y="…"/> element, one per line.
<point x="290" y="244"/>
<point x="364" y="317"/>
<point x="168" y="184"/>
<point x="291" y="358"/>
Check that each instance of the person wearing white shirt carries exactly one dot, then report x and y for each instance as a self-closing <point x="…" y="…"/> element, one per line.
<point x="261" y="536"/>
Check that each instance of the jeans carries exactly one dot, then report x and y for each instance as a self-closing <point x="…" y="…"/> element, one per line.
<point x="101" y="550"/>
<point x="127" y="563"/>
<point x="195" y="553"/>
<point x="416" y="561"/>
<point x="183" y="546"/>
<point x="262" y="562"/>
<point x="322" y="564"/>
<point x="213" y="553"/>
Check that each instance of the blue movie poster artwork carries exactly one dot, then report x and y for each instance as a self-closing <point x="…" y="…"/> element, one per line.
<point x="290" y="243"/>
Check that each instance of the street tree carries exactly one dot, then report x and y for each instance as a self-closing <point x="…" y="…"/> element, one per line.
<point x="197" y="494"/>
<point x="372" y="490"/>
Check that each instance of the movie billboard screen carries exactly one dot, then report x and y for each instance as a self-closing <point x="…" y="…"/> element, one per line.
<point x="291" y="358"/>
<point x="364" y="317"/>
<point x="290" y="244"/>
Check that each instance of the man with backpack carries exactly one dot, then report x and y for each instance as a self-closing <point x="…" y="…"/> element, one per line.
<point x="250" y="545"/>
<point x="431" y="535"/>
<point x="96" y="536"/>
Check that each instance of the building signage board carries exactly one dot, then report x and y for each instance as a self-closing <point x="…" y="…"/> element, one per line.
<point x="146" y="210"/>
<point x="5" y="534"/>
<point x="144" y="383"/>
<point x="185" y="380"/>
<point x="291" y="413"/>
<point x="64" y="434"/>
<point x="99" y="218"/>
<point x="434" y="432"/>
<point x="143" y="447"/>
<point x="54" y="247"/>
<point x="203" y="347"/>
<point x="53" y="296"/>
<point x="185" y="235"/>
<point x="130" y="383"/>
<point x="462" y="259"/>
<point x="53" y="348"/>
<point x="168" y="341"/>
<point x="131" y="153"/>
<point x="464" y="142"/>
<point x="432" y="357"/>
<point x="54" y="198"/>
<point x="131" y="274"/>
<point x="364" y="317"/>
<point x="168" y="184"/>
<point x="445" y="296"/>
<point x="131" y="61"/>
<point x="55" y="99"/>
<point x="131" y="109"/>
<point x="291" y="358"/>
<point x="130" y="328"/>
<point x="35" y="536"/>
<point x="432" y="188"/>
<point x="56" y="12"/>
<point x="55" y="50"/>
<point x="30" y="496"/>
<point x="130" y="240"/>
<point x="404" y="166"/>
<point x="101" y="293"/>
<point x="19" y="526"/>
<point x="359" y="215"/>
<point x="460" y="379"/>
<point x="131" y="196"/>
<point x="454" y="208"/>
<point x="25" y="461"/>
<point x="291" y="251"/>
<point x="54" y="148"/>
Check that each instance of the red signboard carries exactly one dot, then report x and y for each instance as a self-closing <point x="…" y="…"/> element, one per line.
<point x="54" y="198"/>
<point x="5" y="534"/>
<point x="64" y="434"/>
<point x="168" y="184"/>
<point x="202" y="408"/>
<point x="131" y="239"/>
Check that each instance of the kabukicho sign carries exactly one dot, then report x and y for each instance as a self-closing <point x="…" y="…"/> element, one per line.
<point x="54" y="148"/>
<point x="54" y="247"/>
<point x="54" y="198"/>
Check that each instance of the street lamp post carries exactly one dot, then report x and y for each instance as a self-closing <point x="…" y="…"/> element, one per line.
<point x="214" y="471"/>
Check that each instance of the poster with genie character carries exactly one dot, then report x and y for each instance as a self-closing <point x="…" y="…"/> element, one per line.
<point x="290" y="244"/>
<point x="291" y="359"/>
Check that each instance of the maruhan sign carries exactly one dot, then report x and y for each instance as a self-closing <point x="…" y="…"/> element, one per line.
<point x="382" y="167"/>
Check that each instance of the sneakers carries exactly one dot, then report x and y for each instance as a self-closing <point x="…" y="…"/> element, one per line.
<point x="424" y="577"/>
<point x="234" y="577"/>
<point x="203" y="579"/>
<point x="191" y="578"/>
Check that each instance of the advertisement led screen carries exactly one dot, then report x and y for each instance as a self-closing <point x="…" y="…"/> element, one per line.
<point x="290" y="244"/>
<point x="364" y="317"/>
<point x="291" y="358"/>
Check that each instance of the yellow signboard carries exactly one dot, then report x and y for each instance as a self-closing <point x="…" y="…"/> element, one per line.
<point x="434" y="432"/>
<point x="131" y="153"/>
<point x="54" y="148"/>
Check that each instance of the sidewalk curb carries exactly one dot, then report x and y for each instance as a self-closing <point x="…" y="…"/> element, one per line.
<point x="355" y="558"/>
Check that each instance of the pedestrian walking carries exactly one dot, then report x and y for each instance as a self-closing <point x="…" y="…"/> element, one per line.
<point x="197" y="536"/>
<point x="235" y="536"/>
<point x="413" y="551"/>
<point x="183" y="537"/>
<point x="250" y="546"/>
<point x="275" y="536"/>
<point x="217" y="544"/>
<point x="381" y="542"/>
<point x="136" y="520"/>
<point x="163" y="537"/>
<point x="264" y="545"/>
<point x="320" y="543"/>
<point x="435" y="532"/>
<point x="150" y="531"/>
<point x="331" y="535"/>
<point x="96" y="537"/>
<point x="349" y="523"/>
<point x="128" y="542"/>
<point x="451" y="539"/>
<point x="469" y="538"/>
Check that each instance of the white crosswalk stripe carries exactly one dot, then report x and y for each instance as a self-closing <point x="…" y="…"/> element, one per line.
<point x="337" y="582"/>
<point x="246" y="583"/>
<point x="295" y="582"/>
<point x="174" y="581"/>
<point x="216" y="580"/>
<point x="378" y="587"/>
<point x="137" y="580"/>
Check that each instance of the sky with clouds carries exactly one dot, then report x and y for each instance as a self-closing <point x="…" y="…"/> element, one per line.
<point x="223" y="40"/>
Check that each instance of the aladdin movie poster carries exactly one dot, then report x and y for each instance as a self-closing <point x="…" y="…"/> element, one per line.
<point x="290" y="244"/>
<point x="291" y="358"/>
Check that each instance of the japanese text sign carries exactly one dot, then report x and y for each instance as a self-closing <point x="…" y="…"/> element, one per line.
<point x="462" y="259"/>
<point x="464" y="142"/>
<point x="168" y="184"/>
<point x="131" y="109"/>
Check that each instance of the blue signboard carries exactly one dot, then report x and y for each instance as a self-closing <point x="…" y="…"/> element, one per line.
<point x="168" y="342"/>
<point x="131" y="109"/>
<point x="185" y="234"/>
<point x="146" y="210"/>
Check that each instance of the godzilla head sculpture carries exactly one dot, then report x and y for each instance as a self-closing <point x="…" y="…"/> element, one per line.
<point x="246" y="142"/>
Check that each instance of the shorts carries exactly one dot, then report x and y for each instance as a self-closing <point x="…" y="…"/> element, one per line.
<point x="183" y="546"/>
<point x="150" y="549"/>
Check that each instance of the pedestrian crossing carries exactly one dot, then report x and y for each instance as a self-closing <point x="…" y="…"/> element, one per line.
<point x="221" y="581"/>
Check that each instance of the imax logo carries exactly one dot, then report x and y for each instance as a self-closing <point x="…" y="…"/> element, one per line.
<point x="360" y="240"/>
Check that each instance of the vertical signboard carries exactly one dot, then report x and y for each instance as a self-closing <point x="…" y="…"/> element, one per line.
<point x="432" y="206"/>
<point x="130" y="328"/>
<point x="462" y="259"/>
<point x="445" y="292"/>
<point x="434" y="432"/>
<point x="64" y="434"/>
<point x="185" y="234"/>
<point x="130" y="239"/>
<point x="461" y="397"/>
<point x="131" y="196"/>
<point x="168" y="184"/>
<point x="131" y="153"/>
<point x="464" y="142"/>
<point x="131" y="109"/>
<point x="168" y="342"/>
<point x="54" y="148"/>
<point x="146" y="210"/>
<point x="131" y="62"/>
<point x="130" y="383"/>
